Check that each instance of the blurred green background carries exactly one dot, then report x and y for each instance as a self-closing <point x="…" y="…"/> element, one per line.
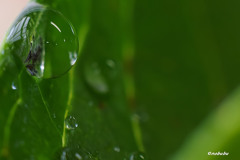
<point x="187" y="62"/>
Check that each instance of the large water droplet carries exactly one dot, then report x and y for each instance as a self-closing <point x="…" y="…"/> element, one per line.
<point x="95" y="79"/>
<point x="35" y="35"/>
<point x="71" y="123"/>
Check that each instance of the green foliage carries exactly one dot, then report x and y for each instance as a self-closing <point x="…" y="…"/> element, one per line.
<point x="81" y="114"/>
<point x="150" y="81"/>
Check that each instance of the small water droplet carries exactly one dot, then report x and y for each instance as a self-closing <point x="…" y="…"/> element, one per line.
<point x="78" y="156"/>
<point x="54" y="115"/>
<point x="117" y="149"/>
<point x="74" y="153"/>
<point x="110" y="63"/>
<point x="64" y="155"/>
<point x="46" y="42"/>
<point x="71" y="122"/>
<point x="111" y="68"/>
<point x="137" y="156"/>
<point x="95" y="79"/>
<point x="14" y="87"/>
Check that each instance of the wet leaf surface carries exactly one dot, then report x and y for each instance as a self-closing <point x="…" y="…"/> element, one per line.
<point x="78" y="114"/>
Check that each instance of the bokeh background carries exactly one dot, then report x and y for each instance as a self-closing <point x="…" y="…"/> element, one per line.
<point x="9" y="10"/>
<point x="186" y="65"/>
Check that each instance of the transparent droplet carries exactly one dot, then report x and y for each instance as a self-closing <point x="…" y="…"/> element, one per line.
<point x="71" y="122"/>
<point x="95" y="79"/>
<point x="44" y="41"/>
<point x="54" y="115"/>
<point x="116" y="149"/>
<point x="110" y="63"/>
<point x="14" y="86"/>
<point x="78" y="156"/>
<point x="137" y="156"/>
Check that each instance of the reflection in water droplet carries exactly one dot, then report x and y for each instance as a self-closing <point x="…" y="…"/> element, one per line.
<point x="117" y="149"/>
<point x="45" y="42"/>
<point x="71" y="122"/>
<point x="95" y="79"/>
<point x="14" y="87"/>
<point x="137" y="156"/>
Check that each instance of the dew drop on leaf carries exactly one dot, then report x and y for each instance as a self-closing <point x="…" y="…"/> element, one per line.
<point x="71" y="123"/>
<point x="95" y="78"/>
<point x="110" y="63"/>
<point x="14" y="86"/>
<point x="73" y="153"/>
<point x="78" y="156"/>
<point x="116" y="149"/>
<point x="137" y="156"/>
<point x="34" y="36"/>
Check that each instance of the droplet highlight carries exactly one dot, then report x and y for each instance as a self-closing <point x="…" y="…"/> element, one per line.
<point x="14" y="86"/>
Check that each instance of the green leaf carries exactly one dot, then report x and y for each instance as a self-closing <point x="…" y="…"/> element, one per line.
<point x="79" y="113"/>
<point x="218" y="133"/>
